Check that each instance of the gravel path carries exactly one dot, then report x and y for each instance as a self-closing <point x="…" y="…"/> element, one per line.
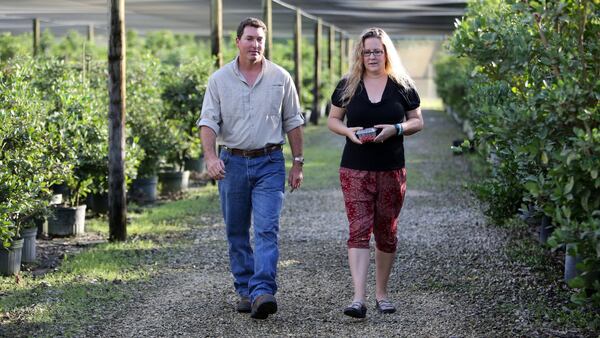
<point x="452" y="276"/>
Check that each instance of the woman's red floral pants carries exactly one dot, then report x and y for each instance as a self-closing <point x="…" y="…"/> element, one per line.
<point x="373" y="202"/>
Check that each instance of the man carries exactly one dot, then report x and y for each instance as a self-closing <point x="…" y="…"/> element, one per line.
<point x="250" y="104"/>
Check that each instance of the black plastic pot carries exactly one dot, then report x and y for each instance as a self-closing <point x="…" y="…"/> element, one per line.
<point x="172" y="182"/>
<point x="194" y="164"/>
<point x="143" y="190"/>
<point x="67" y="221"/>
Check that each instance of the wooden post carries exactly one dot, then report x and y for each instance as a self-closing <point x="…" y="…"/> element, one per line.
<point x="342" y="54"/>
<point x="216" y="20"/>
<point x="349" y="51"/>
<point x="117" y="206"/>
<point x="36" y="36"/>
<point x="316" y="109"/>
<point x="298" y="54"/>
<point x="330" y="52"/>
<point x="268" y="16"/>
<point x="90" y="33"/>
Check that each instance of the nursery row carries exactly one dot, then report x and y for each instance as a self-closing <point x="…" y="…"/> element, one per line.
<point x="524" y="76"/>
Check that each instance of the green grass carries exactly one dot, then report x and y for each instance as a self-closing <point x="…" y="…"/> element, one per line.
<point x="87" y="283"/>
<point x="322" y="153"/>
<point x="84" y="283"/>
<point x="170" y="217"/>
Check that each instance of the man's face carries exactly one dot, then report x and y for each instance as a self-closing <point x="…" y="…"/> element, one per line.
<point x="252" y="44"/>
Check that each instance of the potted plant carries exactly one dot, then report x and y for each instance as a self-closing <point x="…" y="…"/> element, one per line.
<point x="147" y="126"/>
<point x="10" y="252"/>
<point x="183" y="95"/>
<point x="92" y="163"/>
<point x="80" y="134"/>
<point x="28" y="162"/>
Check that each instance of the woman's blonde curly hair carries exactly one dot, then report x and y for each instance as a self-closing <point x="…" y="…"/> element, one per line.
<point x="393" y="65"/>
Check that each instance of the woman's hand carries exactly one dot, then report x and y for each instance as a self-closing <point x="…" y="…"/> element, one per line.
<point x="387" y="131"/>
<point x="335" y="123"/>
<point x="351" y="134"/>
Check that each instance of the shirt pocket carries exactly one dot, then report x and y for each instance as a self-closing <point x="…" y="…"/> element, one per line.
<point x="276" y="98"/>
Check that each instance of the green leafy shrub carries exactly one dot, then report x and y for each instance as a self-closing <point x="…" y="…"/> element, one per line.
<point x="145" y="109"/>
<point x="183" y="94"/>
<point x="534" y="97"/>
<point x="77" y="118"/>
<point x="11" y="46"/>
<point x="28" y="163"/>
<point x="452" y="76"/>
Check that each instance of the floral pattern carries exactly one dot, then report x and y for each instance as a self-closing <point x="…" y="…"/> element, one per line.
<point x="373" y="202"/>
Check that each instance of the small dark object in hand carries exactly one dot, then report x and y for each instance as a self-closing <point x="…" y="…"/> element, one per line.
<point x="367" y="135"/>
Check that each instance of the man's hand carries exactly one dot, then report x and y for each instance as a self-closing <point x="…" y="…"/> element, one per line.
<point x="295" y="176"/>
<point x="215" y="167"/>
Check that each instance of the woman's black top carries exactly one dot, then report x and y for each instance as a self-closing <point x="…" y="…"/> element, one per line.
<point x="361" y="112"/>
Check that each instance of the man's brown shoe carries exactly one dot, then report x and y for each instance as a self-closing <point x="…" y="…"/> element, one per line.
<point x="244" y="305"/>
<point x="263" y="306"/>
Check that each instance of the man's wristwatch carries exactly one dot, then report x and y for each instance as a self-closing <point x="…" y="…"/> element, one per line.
<point x="299" y="159"/>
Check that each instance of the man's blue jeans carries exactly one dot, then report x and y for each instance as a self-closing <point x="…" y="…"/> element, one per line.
<point x="253" y="187"/>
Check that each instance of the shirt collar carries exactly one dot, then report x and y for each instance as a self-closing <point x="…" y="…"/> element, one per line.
<point x="236" y="69"/>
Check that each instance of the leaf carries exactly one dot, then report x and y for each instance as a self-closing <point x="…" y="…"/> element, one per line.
<point x="585" y="200"/>
<point x="572" y="156"/>
<point x="544" y="157"/>
<point x="533" y="188"/>
<point x="566" y="211"/>
<point x="569" y="185"/>
<point x="577" y="283"/>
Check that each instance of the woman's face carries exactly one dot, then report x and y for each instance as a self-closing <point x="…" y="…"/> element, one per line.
<point x="373" y="55"/>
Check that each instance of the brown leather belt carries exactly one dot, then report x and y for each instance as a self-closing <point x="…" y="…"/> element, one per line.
<point x="254" y="152"/>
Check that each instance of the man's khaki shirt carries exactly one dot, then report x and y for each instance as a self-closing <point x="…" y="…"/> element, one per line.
<point x="245" y="117"/>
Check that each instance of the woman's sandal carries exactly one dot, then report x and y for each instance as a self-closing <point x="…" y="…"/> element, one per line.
<point x="356" y="310"/>
<point x="385" y="306"/>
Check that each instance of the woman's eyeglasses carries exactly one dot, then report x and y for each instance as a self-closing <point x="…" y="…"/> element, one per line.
<point x="376" y="52"/>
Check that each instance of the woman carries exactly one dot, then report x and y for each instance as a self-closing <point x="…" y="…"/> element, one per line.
<point x="377" y="93"/>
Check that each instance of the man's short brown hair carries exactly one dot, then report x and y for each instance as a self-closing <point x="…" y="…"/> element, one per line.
<point x="253" y="22"/>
